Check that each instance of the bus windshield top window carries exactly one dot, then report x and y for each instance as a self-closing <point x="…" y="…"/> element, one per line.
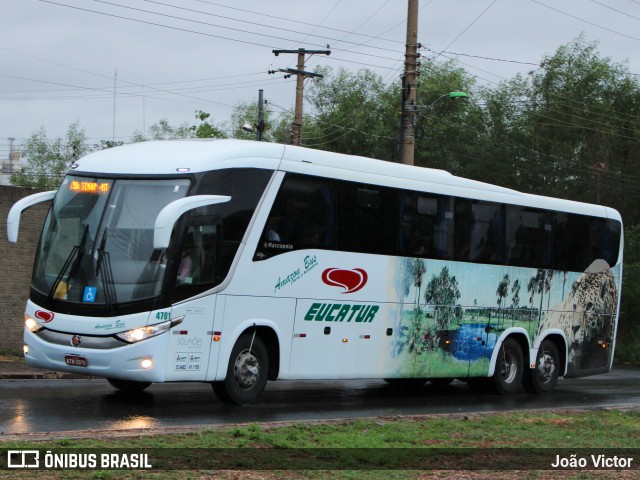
<point x="97" y="244"/>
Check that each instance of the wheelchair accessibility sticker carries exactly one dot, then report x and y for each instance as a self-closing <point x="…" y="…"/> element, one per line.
<point x="89" y="294"/>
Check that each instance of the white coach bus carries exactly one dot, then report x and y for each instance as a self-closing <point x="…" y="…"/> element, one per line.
<point x="236" y="262"/>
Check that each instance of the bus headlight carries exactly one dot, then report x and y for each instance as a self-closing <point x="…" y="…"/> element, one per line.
<point x="142" y="333"/>
<point x="32" y="325"/>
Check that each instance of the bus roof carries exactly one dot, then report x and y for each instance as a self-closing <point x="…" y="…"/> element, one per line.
<point x="171" y="157"/>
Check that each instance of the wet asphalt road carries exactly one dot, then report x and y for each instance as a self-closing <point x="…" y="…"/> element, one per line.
<point x="31" y="406"/>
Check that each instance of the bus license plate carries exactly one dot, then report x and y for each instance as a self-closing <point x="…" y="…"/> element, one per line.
<point x="75" y="361"/>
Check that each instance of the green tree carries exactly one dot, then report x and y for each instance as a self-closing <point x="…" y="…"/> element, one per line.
<point x="163" y="130"/>
<point x="46" y="161"/>
<point x="418" y="270"/>
<point x="502" y="292"/>
<point x="442" y="293"/>
<point x="276" y="125"/>
<point x="448" y="130"/>
<point x="584" y="121"/>
<point x="354" y="113"/>
<point x="540" y="283"/>
<point x="205" y="129"/>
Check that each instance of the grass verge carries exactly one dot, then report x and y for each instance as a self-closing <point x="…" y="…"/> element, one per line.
<point x="491" y="439"/>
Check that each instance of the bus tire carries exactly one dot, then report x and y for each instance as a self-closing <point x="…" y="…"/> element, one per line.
<point x="129" y="386"/>
<point x="509" y="367"/>
<point x="543" y="378"/>
<point x="246" y="374"/>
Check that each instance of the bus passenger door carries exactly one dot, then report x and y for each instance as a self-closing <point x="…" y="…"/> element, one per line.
<point x="190" y="341"/>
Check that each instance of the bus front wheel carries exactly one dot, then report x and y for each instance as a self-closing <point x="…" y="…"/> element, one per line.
<point x="246" y="374"/>
<point x="543" y="378"/>
<point x="509" y="367"/>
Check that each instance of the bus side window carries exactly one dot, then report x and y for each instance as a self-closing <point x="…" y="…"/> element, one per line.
<point x="426" y="225"/>
<point x="192" y="257"/>
<point x="479" y="231"/>
<point x="302" y="216"/>
<point x="571" y="242"/>
<point x="529" y="237"/>
<point x="367" y="218"/>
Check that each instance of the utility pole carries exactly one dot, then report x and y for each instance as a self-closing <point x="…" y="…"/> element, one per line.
<point x="115" y="79"/>
<point x="300" y="73"/>
<point x="409" y="80"/>
<point x="11" y="140"/>
<point x="260" y="125"/>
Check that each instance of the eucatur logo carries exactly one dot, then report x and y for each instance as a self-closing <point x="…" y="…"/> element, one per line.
<point x="46" y="317"/>
<point x="350" y="280"/>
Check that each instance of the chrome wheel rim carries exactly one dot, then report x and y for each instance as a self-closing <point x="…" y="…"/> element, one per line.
<point x="546" y="367"/>
<point x="509" y="368"/>
<point x="246" y="369"/>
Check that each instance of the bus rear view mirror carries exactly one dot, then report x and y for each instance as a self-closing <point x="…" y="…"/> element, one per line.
<point x="13" y="219"/>
<point x="170" y="214"/>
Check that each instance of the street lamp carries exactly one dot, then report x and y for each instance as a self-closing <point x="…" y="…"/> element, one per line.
<point x="451" y="95"/>
<point x="408" y="133"/>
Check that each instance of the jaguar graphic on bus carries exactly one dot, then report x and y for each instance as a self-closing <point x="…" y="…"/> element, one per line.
<point x="235" y="263"/>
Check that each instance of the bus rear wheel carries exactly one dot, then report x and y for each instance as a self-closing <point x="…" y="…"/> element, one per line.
<point x="509" y="367"/>
<point x="543" y="378"/>
<point x="129" y="386"/>
<point x="246" y="374"/>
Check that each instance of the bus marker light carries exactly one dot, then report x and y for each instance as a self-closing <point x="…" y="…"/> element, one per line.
<point x="345" y="340"/>
<point x="447" y="342"/>
<point x="147" y="363"/>
<point x="300" y="335"/>
<point x="365" y="337"/>
<point x="533" y="365"/>
<point x="25" y="349"/>
<point x="216" y="338"/>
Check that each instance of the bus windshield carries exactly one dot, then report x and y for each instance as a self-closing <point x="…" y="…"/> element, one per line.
<point x="97" y="242"/>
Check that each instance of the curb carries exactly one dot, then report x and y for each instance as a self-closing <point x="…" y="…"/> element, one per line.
<point x="41" y="376"/>
<point x="19" y="371"/>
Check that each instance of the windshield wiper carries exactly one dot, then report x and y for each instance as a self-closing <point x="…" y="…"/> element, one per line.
<point x="72" y="256"/>
<point x="106" y="274"/>
<point x="56" y="284"/>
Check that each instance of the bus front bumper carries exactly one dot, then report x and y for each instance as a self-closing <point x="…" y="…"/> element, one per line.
<point x="135" y="361"/>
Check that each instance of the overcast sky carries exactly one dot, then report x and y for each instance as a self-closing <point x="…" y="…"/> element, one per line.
<point x="58" y="58"/>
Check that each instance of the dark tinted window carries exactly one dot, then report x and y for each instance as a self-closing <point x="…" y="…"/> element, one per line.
<point x="367" y="219"/>
<point x="213" y="233"/>
<point x="578" y="240"/>
<point x="314" y="212"/>
<point x="479" y="231"/>
<point x="426" y="226"/>
<point x="529" y="237"/>
<point x="303" y="216"/>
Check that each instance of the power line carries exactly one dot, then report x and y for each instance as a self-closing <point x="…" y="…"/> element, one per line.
<point x="615" y="10"/>
<point x="470" y="25"/>
<point x="266" y="15"/>
<point x="586" y="21"/>
<point x="484" y="58"/>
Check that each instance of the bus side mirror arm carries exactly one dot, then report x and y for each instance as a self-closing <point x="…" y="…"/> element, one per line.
<point x="170" y="214"/>
<point x="13" y="219"/>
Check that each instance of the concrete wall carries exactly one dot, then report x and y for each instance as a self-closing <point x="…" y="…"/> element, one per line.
<point x="16" y="264"/>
